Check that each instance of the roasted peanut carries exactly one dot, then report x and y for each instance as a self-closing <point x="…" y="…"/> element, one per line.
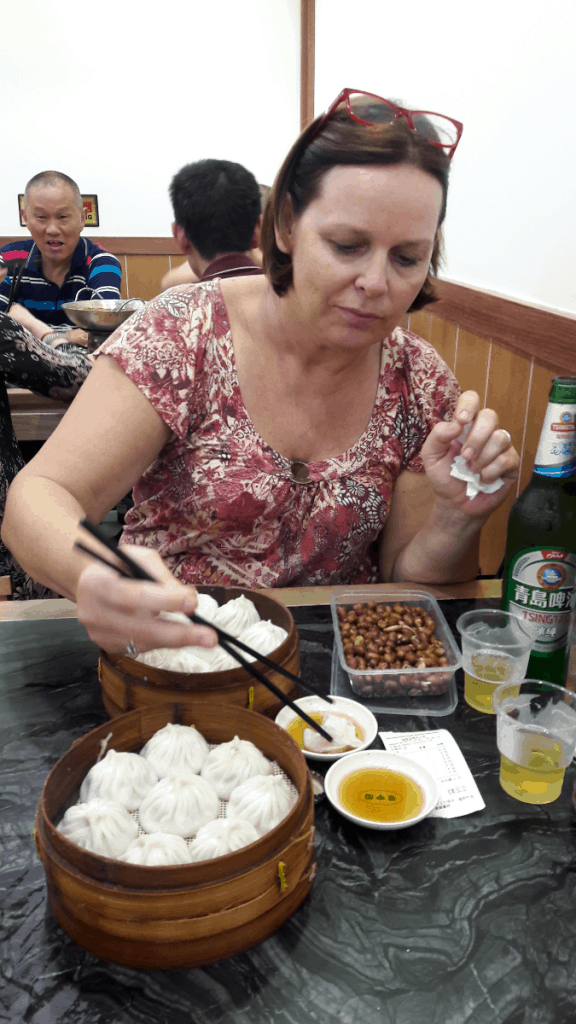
<point x="388" y="638"/>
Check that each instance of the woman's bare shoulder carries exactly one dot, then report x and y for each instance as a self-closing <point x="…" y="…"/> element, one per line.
<point x="245" y="300"/>
<point x="243" y="296"/>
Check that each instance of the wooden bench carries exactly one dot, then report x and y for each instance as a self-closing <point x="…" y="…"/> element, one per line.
<point x="34" y="417"/>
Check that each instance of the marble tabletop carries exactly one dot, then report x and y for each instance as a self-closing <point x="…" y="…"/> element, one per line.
<point x="453" y="921"/>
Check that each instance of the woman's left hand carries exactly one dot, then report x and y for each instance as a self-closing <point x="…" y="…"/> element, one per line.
<point x="487" y="450"/>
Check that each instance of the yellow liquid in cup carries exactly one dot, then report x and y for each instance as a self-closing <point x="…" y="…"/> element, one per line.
<point x="378" y="794"/>
<point x="538" y="778"/>
<point x="490" y="670"/>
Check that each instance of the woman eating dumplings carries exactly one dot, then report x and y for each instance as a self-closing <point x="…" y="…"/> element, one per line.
<point x="280" y="430"/>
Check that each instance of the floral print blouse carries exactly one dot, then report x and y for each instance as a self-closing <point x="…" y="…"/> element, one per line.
<point x="218" y="503"/>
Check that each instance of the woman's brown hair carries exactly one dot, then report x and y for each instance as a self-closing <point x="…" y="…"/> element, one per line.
<point x="342" y="141"/>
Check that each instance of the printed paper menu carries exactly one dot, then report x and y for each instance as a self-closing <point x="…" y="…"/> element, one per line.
<point x="437" y="751"/>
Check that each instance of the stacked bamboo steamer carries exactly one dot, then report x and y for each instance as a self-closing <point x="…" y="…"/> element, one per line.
<point x="128" y="684"/>
<point x="190" y="914"/>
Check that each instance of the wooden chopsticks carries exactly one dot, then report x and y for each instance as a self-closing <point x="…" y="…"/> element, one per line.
<point x="228" y="642"/>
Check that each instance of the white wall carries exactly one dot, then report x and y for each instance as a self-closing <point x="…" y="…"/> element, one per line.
<point x="120" y="94"/>
<point x="507" y="70"/>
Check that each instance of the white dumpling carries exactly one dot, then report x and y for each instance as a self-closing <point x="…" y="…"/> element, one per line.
<point x="263" y="636"/>
<point x="175" y="659"/>
<point x="193" y="660"/>
<point x="219" y="660"/>
<point x="176" y="748"/>
<point x="120" y="776"/>
<point x="196" y="659"/>
<point x="206" y="607"/>
<point x="229" y="764"/>
<point x="157" y="850"/>
<point x="101" y="826"/>
<point x="264" y="801"/>
<point x="342" y="731"/>
<point x="161" y="657"/>
<point x="220" y="837"/>
<point x="180" y="804"/>
<point x="236" y="615"/>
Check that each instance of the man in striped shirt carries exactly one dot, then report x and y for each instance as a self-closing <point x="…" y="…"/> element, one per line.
<point x="61" y="266"/>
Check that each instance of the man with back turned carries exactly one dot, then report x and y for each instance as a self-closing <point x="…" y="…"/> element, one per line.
<point x="217" y="217"/>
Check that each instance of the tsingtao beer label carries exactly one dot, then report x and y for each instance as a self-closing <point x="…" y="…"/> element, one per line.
<point x="556" y="455"/>
<point x="539" y="590"/>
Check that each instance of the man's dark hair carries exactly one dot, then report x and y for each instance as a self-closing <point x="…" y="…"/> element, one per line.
<point x="217" y="204"/>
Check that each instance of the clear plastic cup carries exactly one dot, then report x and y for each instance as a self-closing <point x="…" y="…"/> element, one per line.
<point x="536" y="736"/>
<point x="495" y="649"/>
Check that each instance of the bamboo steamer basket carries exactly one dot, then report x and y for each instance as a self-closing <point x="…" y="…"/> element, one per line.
<point x="187" y="915"/>
<point x="128" y="684"/>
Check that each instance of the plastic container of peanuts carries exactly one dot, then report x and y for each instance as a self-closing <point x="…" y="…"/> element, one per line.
<point x="405" y="631"/>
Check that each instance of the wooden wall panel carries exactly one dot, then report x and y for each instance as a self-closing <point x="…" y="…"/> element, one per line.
<point x="443" y="337"/>
<point x="144" y="274"/>
<point x="420" y="324"/>
<point x="124" y="265"/>
<point x="507" y="392"/>
<point x="493" y="537"/>
<point x="307" y="54"/>
<point x="471" y="362"/>
<point x="538" y="400"/>
<point x="544" y="334"/>
<point x="140" y="246"/>
<point x="176" y="261"/>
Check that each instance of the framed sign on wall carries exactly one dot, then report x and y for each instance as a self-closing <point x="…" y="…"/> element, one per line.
<point x="91" y="207"/>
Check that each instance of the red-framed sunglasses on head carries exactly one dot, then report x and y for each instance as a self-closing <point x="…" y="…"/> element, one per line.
<point x="369" y="109"/>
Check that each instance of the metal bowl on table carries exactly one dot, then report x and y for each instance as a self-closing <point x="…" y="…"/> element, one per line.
<point x="101" y="314"/>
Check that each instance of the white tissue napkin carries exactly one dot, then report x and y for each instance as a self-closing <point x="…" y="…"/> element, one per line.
<point x="461" y="471"/>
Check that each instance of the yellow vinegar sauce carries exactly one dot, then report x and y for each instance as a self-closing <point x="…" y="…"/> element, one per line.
<point x="379" y="794"/>
<point x="297" y="726"/>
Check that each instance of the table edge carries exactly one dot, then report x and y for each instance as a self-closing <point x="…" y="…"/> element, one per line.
<point x="292" y="597"/>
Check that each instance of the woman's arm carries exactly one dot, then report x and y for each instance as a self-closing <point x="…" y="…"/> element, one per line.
<point x="182" y="274"/>
<point x="103" y="444"/>
<point x="42" y="331"/>
<point x="27" y="319"/>
<point x="27" y="362"/>
<point x="422" y="543"/>
<point x="432" y="533"/>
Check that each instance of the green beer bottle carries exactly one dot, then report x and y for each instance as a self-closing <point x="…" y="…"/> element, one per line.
<point x="540" y="559"/>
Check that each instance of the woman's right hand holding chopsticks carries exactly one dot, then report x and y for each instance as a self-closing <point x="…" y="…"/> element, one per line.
<point x="119" y="613"/>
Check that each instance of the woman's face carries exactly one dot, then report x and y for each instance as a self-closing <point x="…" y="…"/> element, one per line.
<point x="361" y="251"/>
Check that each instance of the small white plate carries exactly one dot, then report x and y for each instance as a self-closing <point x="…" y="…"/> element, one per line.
<point x="340" y="705"/>
<point x="381" y="759"/>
